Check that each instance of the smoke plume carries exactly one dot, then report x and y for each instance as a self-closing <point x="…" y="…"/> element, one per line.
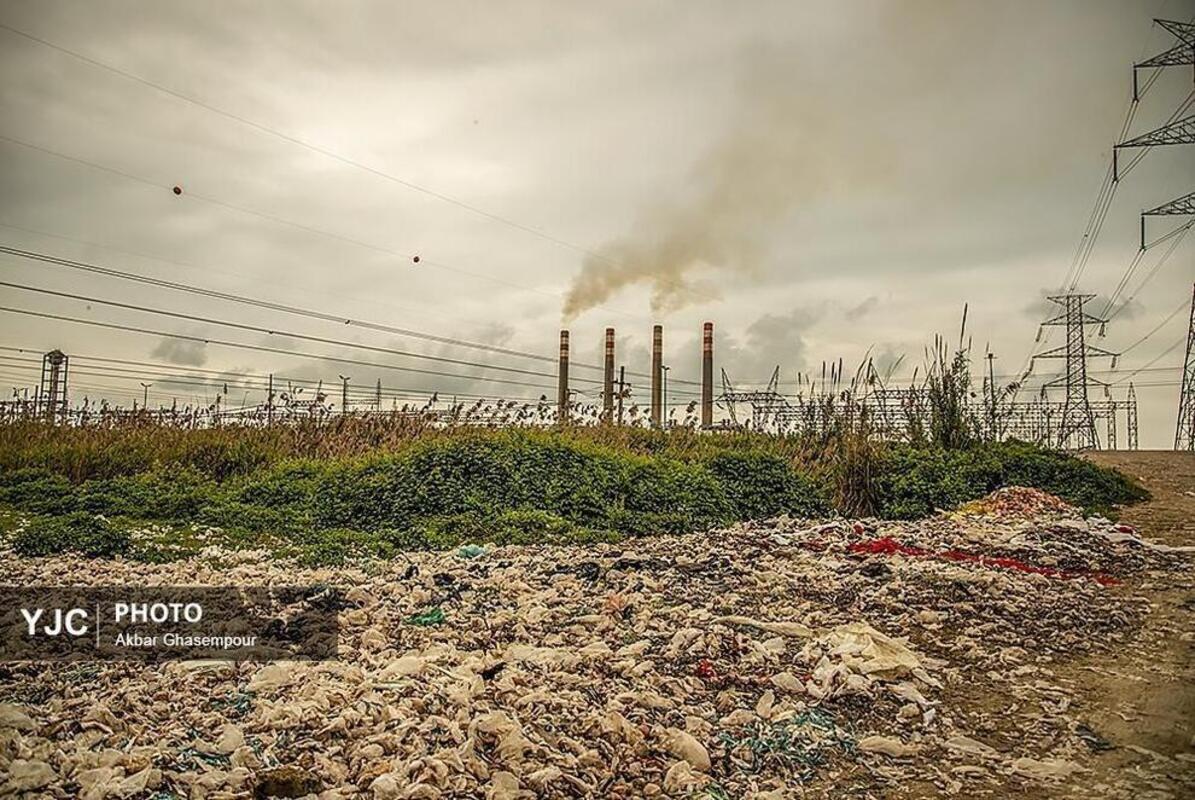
<point x="739" y="193"/>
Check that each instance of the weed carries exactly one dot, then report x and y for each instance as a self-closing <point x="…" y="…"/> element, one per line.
<point x="78" y="532"/>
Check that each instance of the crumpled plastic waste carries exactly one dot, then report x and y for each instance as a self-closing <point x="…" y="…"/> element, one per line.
<point x="773" y="659"/>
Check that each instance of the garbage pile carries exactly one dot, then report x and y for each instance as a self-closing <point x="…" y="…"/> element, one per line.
<point x="772" y="660"/>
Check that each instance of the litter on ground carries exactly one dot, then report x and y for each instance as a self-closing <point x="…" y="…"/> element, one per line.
<point x="775" y="659"/>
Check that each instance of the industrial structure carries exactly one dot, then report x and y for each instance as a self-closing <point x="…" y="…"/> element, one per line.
<point x="51" y="394"/>
<point x="1076" y="426"/>
<point x="1184" y="434"/>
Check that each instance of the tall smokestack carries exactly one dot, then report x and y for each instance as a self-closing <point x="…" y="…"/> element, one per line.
<point x="657" y="363"/>
<point x="707" y="375"/>
<point x="562" y="380"/>
<point x="608" y="380"/>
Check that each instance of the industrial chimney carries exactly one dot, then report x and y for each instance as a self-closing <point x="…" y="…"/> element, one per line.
<point x="707" y="375"/>
<point x="562" y="381"/>
<point x="657" y="371"/>
<point x="608" y="379"/>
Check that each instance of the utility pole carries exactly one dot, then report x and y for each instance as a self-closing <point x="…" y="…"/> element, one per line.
<point x="344" y="394"/>
<point x="1184" y="434"/>
<point x="622" y="390"/>
<point x="664" y="394"/>
<point x="992" y="432"/>
<point x="145" y="395"/>
<point x="270" y="401"/>
<point x="1077" y="428"/>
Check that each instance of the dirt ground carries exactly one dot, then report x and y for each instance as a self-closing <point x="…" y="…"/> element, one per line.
<point x="1143" y="700"/>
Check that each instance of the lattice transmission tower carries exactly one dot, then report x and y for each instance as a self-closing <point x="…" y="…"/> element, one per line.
<point x="1184" y="434"/>
<point x="1131" y="416"/>
<point x="1182" y="53"/>
<point x="1076" y="429"/>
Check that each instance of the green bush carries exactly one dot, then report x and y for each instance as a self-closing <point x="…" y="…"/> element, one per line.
<point x="339" y="545"/>
<point x="77" y="532"/>
<point x="916" y="480"/>
<point x="157" y="494"/>
<point x="1094" y="488"/>
<point x="446" y="488"/>
<point x="38" y="491"/>
<point x="760" y="485"/>
<point x="522" y="526"/>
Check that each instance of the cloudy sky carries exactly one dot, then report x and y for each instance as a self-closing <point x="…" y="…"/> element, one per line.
<point x="822" y="180"/>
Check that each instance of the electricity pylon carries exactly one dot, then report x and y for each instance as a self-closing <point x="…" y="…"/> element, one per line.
<point x="1178" y="132"/>
<point x="1181" y="54"/>
<point x="1077" y="428"/>
<point x="1131" y="416"/>
<point x="1178" y="207"/>
<point x="1184" y="434"/>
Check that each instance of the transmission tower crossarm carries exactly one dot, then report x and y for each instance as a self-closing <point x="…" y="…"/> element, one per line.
<point x="1178" y="132"/>
<point x="1183" y="31"/>
<point x="1178" y="56"/>
<point x="1181" y="54"/>
<point x="1179" y="206"/>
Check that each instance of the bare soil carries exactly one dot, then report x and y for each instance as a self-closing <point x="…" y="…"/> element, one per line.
<point x="1142" y="699"/>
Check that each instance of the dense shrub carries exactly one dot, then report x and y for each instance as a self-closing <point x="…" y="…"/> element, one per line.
<point x="915" y="481"/>
<point x="37" y="490"/>
<point x="157" y="494"/>
<point x="445" y="488"/>
<point x="338" y="545"/>
<point x="760" y="485"/>
<point x="78" y="532"/>
<point x="1080" y="482"/>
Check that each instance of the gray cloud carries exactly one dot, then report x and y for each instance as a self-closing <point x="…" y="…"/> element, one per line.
<point x="737" y="163"/>
<point x="180" y="351"/>
<point x="855" y="313"/>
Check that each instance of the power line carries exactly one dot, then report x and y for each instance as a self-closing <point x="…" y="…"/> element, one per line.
<point x="1104" y="197"/>
<point x="295" y="310"/>
<point x="207" y="268"/>
<point x="263" y="128"/>
<point x="1176" y="237"/>
<point x="1157" y="328"/>
<point x="288" y="334"/>
<point x="1151" y="362"/>
<point x="261" y="383"/>
<point x="264" y="349"/>
<point x="283" y="221"/>
<point x="270" y="305"/>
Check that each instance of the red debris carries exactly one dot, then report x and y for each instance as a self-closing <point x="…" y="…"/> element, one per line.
<point x="888" y="546"/>
<point x="705" y="670"/>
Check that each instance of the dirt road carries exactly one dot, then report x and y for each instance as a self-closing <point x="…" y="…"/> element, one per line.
<point x="1143" y="700"/>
